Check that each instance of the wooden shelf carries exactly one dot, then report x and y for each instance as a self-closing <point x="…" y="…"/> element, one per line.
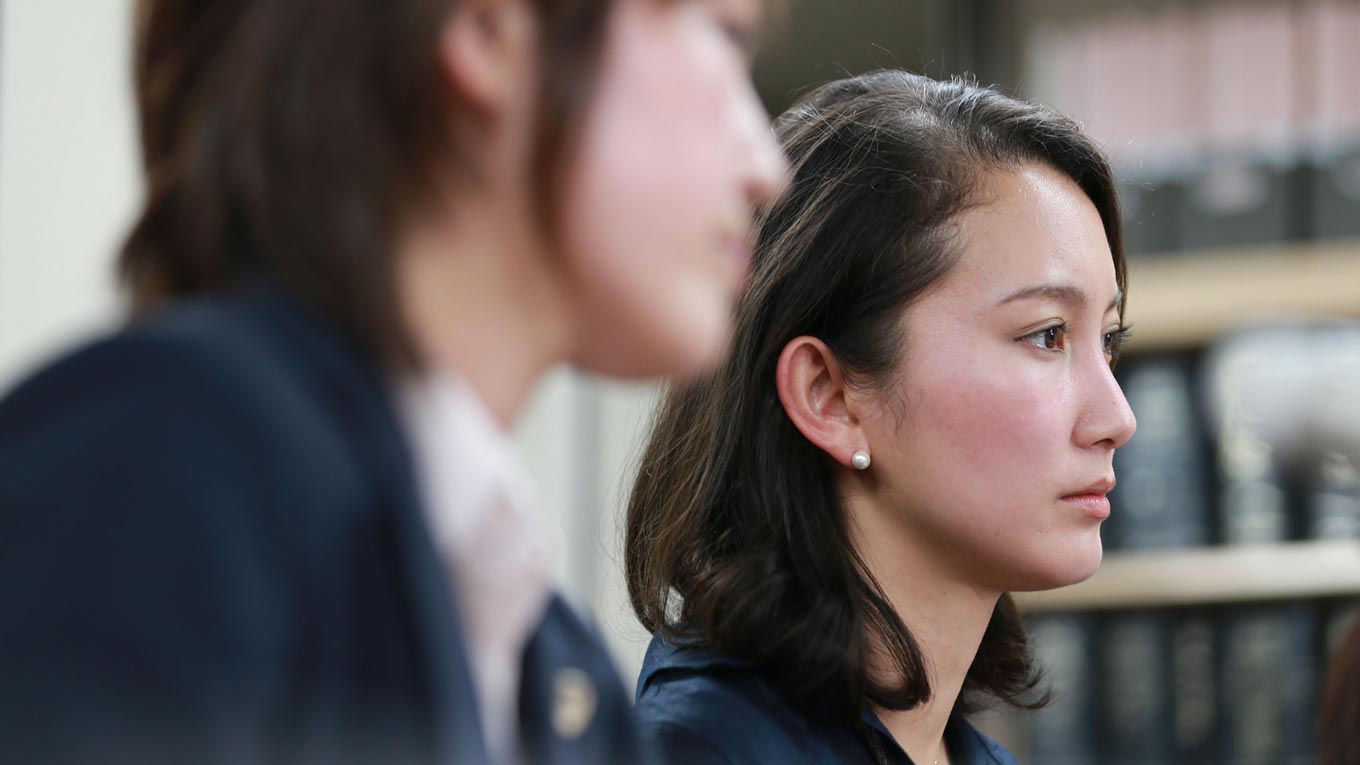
<point x="1210" y="575"/>
<point x="1182" y="301"/>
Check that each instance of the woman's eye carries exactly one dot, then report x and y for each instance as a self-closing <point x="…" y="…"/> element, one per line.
<point x="741" y="35"/>
<point x="1049" y="339"/>
<point x="1114" y="342"/>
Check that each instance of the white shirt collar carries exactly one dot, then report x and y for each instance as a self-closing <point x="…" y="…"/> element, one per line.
<point x="479" y="502"/>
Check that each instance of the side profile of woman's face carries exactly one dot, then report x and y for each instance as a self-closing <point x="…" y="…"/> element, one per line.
<point x="993" y="445"/>
<point x="676" y="154"/>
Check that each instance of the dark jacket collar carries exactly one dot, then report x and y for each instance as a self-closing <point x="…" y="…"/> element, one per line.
<point x="356" y="389"/>
<point x="966" y="744"/>
<point x="666" y="655"/>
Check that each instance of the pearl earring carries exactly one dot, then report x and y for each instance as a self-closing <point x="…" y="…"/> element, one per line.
<point x="860" y="460"/>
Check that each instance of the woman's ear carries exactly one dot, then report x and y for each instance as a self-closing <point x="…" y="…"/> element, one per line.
<point x="813" y="393"/>
<point x="488" y="51"/>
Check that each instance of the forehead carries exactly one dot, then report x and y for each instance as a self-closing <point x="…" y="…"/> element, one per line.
<point x="1033" y="225"/>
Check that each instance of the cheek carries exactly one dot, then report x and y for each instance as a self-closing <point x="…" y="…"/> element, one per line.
<point x="647" y="207"/>
<point x="652" y="162"/>
<point x="998" y="426"/>
<point x="981" y="473"/>
<point x="981" y="448"/>
<point x="655" y="171"/>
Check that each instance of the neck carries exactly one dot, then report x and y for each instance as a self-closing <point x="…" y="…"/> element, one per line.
<point x="946" y="615"/>
<point x="480" y="302"/>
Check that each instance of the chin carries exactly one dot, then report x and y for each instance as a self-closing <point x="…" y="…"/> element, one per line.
<point x="1082" y="572"/>
<point x="694" y="364"/>
<point x="677" y="334"/>
<point x="1069" y="566"/>
<point x="650" y="355"/>
<point x="695" y="344"/>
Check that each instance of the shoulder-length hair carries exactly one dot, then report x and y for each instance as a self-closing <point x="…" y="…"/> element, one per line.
<point x="1339" y="718"/>
<point x="736" y="534"/>
<point x="293" y="136"/>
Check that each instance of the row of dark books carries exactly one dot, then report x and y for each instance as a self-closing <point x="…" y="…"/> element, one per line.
<point x="1206" y="465"/>
<point x="1231" y="123"/>
<point x="1231" y="684"/>
<point x="1241" y="200"/>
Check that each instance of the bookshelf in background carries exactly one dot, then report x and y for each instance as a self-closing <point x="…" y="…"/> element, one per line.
<point x="1235" y="130"/>
<point x="1181" y="303"/>
<point x="1210" y="576"/>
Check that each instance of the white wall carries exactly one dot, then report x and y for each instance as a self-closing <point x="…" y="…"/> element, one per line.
<point x="68" y="176"/>
<point x="69" y="187"/>
<point x="582" y="438"/>
<point x="624" y="421"/>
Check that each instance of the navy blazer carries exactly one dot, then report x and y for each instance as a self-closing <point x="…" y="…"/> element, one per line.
<point x="211" y="551"/>
<point x="702" y="708"/>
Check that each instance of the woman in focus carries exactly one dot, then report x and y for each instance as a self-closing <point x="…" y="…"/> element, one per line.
<point x="917" y="416"/>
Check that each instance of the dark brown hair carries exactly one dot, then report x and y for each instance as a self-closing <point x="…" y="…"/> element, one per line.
<point x="293" y="136"/>
<point x="1339" y="720"/>
<point x="736" y="535"/>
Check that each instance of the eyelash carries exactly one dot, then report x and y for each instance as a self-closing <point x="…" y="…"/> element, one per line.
<point x="1113" y="341"/>
<point x="738" y="34"/>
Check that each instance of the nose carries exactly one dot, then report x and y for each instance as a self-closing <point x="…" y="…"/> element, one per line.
<point x="1106" y="419"/>
<point x="766" y="167"/>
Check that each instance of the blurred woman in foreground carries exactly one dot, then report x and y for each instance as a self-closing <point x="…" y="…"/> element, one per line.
<point x="278" y="518"/>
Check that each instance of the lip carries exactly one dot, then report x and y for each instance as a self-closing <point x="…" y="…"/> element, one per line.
<point x="1091" y="499"/>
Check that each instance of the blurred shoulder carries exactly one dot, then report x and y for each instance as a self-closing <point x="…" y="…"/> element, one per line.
<point x="206" y="346"/>
<point x="230" y="357"/>
<point x="217" y="386"/>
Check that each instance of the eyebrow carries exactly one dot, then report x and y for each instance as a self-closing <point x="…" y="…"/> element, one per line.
<point x="1065" y="293"/>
